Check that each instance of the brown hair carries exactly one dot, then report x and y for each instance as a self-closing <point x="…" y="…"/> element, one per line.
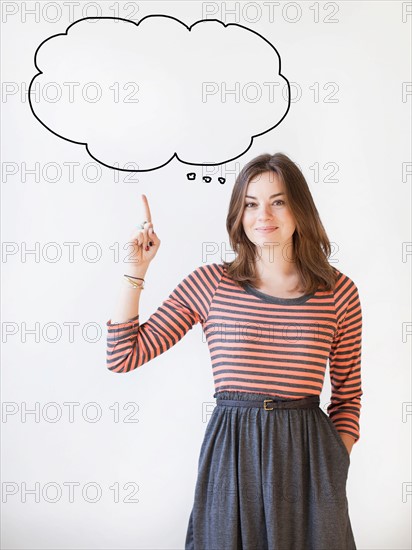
<point x="311" y="246"/>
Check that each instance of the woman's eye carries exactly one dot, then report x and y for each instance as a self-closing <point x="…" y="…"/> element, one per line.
<point x="274" y="202"/>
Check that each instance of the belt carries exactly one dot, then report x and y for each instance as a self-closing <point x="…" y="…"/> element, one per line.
<point x="310" y="402"/>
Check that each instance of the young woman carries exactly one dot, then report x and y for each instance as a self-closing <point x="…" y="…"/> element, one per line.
<point x="273" y="465"/>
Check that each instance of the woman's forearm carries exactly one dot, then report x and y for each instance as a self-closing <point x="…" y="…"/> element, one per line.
<point x="127" y="305"/>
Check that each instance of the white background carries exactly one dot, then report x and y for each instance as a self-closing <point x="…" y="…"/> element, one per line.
<point x="366" y="213"/>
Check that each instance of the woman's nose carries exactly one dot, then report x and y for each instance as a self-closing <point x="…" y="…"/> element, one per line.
<point x="265" y="213"/>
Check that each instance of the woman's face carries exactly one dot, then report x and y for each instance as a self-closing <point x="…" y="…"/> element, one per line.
<point x="266" y="206"/>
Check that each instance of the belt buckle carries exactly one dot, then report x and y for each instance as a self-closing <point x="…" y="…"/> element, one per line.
<point x="265" y="405"/>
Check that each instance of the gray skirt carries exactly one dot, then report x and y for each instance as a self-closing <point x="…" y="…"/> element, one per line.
<point x="270" y="479"/>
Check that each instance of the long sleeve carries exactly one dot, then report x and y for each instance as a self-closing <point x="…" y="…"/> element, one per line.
<point x="130" y="345"/>
<point x="345" y="361"/>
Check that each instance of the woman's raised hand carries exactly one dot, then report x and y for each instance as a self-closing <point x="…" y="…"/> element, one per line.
<point x="143" y="253"/>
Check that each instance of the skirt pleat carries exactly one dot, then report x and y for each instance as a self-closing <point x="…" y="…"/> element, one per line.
<point x="270" y="480"/>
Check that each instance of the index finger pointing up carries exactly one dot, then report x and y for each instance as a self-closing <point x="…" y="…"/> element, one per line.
<point x="147" y="215"/>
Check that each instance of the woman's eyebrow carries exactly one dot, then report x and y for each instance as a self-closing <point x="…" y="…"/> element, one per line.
<point x="271" y="196"/>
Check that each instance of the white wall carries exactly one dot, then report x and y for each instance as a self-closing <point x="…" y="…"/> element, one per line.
<point x="362" y="141"/>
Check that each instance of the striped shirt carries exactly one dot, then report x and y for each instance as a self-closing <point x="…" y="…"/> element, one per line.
<point x="258" y="343"/>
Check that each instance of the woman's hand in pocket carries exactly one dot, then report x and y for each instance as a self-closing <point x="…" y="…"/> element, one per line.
<point x="348" y="441"/>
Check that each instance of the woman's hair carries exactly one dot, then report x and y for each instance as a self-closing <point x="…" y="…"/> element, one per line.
<point x="311" y="246"/>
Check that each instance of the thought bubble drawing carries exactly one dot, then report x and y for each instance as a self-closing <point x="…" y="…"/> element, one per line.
<point x="155" y="90"/>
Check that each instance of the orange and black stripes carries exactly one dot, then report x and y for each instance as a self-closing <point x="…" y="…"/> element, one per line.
<point x="258" y="343"/>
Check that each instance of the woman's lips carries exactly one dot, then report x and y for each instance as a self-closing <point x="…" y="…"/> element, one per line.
<point x="267" y="230"/>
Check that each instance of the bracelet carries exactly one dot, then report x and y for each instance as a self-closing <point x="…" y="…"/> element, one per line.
<point x="133" y="283"/>
<point x="134" y="277"/>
